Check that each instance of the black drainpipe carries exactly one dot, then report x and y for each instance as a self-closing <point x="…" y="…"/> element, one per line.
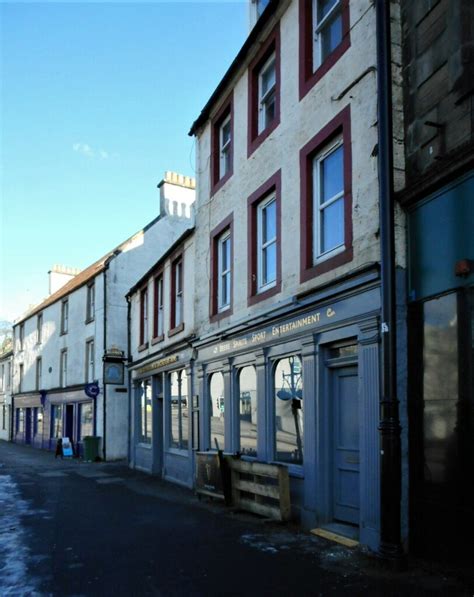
<point x="390" y="430"/>
<point x="104" y="418"/>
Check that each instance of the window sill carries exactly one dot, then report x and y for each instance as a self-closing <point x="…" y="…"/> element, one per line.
<point x="327" y="265"/>
<point x="221" y="314"/>
<point x="157" y="339"/>
<point x="261" y="296"/>
<point x="63" y="333"/>
<point x="89" y="320"/>
<point x="184" y="452"/>
<point x="142" y="347"/>
<point x="255" y="142"/>
<point x="216" y="186"/>
<point x="145" y="445"/>
<point x="176" y="330"/>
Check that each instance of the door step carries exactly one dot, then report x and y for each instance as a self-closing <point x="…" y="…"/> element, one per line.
<point x="335" y="537"/>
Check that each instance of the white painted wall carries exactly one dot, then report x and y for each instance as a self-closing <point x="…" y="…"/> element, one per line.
<point x="6" y="363"/>
<point x="300" y="122"/>
<point x="131" y="262"/>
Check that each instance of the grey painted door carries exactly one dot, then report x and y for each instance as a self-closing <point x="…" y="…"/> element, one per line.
<point x="346" y="482"/>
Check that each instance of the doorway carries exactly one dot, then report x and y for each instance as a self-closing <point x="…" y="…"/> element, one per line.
<point x="345" y="451"/>
<point x="69" y="426"/>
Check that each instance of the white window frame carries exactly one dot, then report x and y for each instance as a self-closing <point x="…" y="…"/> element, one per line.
<point x="21" y="336"/>
<point x="160" y="311"/>
<point x="90" y="308"/>
<point x="64" y="316"/>
<point x="39" y="328"/>
<point x="90" y="361"/>
<point x="144" y="315"/>
<point x="178" y="291"/>
<point x="21" y="375"/>
<point x="261" y="246"/>
<point x="39" y="373"/>
<point x="223" y="274"/>
<point x="63" y="369"/>
<point x="225" y="147"/>
<point x="319" y="27"/>
<point x="318" y="208"/>
<point x="264" y="98"/>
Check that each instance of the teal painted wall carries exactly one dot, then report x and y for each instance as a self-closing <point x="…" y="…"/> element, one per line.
<point x="440" y="233"/>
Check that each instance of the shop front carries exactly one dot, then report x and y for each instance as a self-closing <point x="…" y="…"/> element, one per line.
<point x="41" y="419"/>
<point x="303" y="390"/>
<point x="162" y="393"/>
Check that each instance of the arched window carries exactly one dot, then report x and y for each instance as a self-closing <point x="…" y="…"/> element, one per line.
<point x="216" y="409"/>
<point x="288" y="384"/>
<point x="248" y="411"/>
<point x="179" y="408"/>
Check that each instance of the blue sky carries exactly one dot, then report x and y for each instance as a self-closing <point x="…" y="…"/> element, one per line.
<point x="96" y="103"/>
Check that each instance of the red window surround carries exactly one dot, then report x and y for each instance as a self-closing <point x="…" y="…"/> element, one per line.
<point x="216" y="234"/>
<point x="227" y="109"/>
<point x="307" y="76"/>
<point x="271" y="45"/>
<point x="273" y="184"/>
<point x="156" y="281"/>
<point x="175" y="326"/>
<point x="341" y="124"/>
<point x="143" y="318"/>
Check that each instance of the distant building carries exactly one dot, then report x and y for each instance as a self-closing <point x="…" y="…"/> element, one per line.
<point x="161" y="364"/>
<point x="6" y="358"/>
<point x="69" y="351"/>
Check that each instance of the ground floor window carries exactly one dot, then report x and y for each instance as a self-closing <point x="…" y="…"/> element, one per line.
<point x="56" y="420"/>
<point x="179" y="409"/>
<point x="145" y="411"/>
<point x="248" y="411"/>
<point x="86" y="419"/>
<point x="288" y="400"/>
<point x="4" y="417"/>
<point x="20" y="420"/>
<point x="38" y="421"/>
<point x="217" y="408"/>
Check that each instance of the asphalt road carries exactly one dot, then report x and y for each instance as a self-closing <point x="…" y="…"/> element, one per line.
<point x="72" y="528"/>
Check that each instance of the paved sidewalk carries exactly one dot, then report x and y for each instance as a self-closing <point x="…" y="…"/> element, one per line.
<point x="74" y="528"/>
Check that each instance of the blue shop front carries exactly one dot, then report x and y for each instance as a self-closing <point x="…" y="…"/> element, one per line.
<point x="301" y="388"/>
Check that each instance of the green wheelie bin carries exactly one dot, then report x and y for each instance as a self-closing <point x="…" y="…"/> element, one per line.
<point x="91" y="448"/>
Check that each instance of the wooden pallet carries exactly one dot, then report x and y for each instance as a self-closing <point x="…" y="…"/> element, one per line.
<point x="267" y="486"/>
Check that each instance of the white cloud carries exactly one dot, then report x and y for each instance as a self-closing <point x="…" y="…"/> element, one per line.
<point x="90" y="152"/>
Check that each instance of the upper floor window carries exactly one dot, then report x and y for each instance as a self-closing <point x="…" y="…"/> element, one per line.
<point x="63" y="368"/>
<point x="222" y="145"/>
<point x="90" y="309"/>
<point x="9" y="376"/>
<point x="326" y="209"/>
<point x="2" y="378"/>
<point x="143" y="316"/>
<point x="21" y="336"/>
<point x="39" y="328"/>
<point x="224" y="271"/>
<point x="221" y="269"/>
<point x="177" y="294"/>
<point x="324" y="37"/>
<point x="158" y="322"/>
<point x="64" y="316"/>
<point x="266" y="94"/>
<point x="328" y="201"/>
<point x="21" y="371"/>
<point x="39" y="373"/>
<point x="90" y="361"/>
<point x="264" y="242"/>
<point x="264" y="91"/>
